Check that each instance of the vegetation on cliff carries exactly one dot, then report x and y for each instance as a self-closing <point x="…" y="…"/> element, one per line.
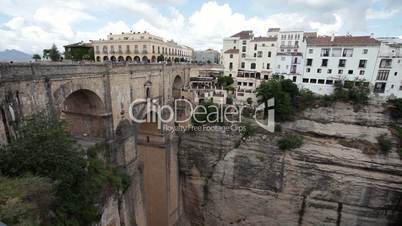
<point x="80" y="180"/>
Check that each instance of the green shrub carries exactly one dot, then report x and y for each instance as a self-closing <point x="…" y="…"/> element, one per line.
<point x="384" y="143"/>
<point x="248" y="130"/>
<point x="396" y="109"/>
<point x="290" y="141"/>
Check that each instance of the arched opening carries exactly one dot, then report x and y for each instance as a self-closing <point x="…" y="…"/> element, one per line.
<point x="145" y="59"/>
<point x="113" y="58"/>
<point x="98" y="59"/>
<point x="120" y="59"/>
<point x="153" y="59"/>
<point x="105" y="58"/>
<point x="177" y="87"/>
<point x="128" y="58"/>
<point x="137" y="59"/>
<point x="84" y="112"/>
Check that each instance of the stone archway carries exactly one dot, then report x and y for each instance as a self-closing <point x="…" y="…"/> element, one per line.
<point x="113" y="58"/>
<point x="84" y="112"/>
<point x="105" y="58"/>
<point x="153" y="59"/>
<point x="177" y="86"/>
<point x="120" y="59"/>
<point x="137" y="59"/>
<point x="145" y="59"/>
<point x="128" y="58"/>
<point x="98" y="59"/>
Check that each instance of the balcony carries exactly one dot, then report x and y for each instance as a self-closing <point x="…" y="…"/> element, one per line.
<point x="289" y="46"/>
<point x="386" y="63"/>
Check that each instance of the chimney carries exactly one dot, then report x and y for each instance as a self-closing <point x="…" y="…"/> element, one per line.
<point x="332" y="37"/>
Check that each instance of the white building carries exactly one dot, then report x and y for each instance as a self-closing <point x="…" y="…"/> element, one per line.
<point x="249" y="60"/>
<point x="329" y="59"/>
<point x="387" y="78"/>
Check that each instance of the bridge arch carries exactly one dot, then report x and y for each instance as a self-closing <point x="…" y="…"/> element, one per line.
<point x="84" y="112"/>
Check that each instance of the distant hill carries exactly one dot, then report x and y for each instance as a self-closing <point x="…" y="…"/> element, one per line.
<point x="14" y="55"/>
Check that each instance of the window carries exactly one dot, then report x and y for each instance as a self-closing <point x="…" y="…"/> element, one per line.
<point x="252" y="66"/>
<point x="309" y="62"/>
<point x="386" y="63"/>
<point x="266" y="77"/>
<point x="313" y="80"/>
<point x="329" y="82"/>
<point x="305" y="80"/>
<point x="268" y="65"/>
<point x="244" y="42"/>
<point x="308" y="69"/>
<point x="365" y="51"/>
<point x="350" y="72"/>
<point x="321" y="81"/>
<point x="319" y="70"/>
<point x="243" y="64"/>
<point x="342" y="63"/>
<point x="340" y="71"/>
<point x="255" y="46"/>
<point x="347" y="52"/>
<point x="383" y="75"/>
<point x="279" y="66"/>
<point x="243" y="49"/>
<point x="239" y="83"/>
<point x="269" y="54"/>
<point x="362" y="63"/>
<point x="324" y="63"/>
<point x="396" y="73"/>
<point x="329" y="71"/>
<point x="325" y="52"/>
<point x="310" y="51"/>
<point x="294" y="79"/>
<point x="244" y="83"/>
<point x="230" y="65"/>
<point x="231" y="56"/>
<point x="243" y="55"/>
<point x="259" y="54"/>
<point x="250" y="84"/>
<point x="336" y="52"/>
<point x="361" y="72"/>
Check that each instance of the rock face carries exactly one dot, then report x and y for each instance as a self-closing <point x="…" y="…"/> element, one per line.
<point x="320" y="183"/>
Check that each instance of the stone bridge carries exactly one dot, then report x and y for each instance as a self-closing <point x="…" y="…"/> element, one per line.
<point x="94" y="99"/>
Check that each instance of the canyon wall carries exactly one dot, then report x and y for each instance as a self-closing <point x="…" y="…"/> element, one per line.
<point x="327" y="181"/>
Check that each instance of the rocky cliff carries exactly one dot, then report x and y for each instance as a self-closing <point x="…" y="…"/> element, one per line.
<point x="327" y="181"/>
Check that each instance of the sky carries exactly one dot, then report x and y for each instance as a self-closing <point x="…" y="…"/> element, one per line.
<point x="32" y="25"/>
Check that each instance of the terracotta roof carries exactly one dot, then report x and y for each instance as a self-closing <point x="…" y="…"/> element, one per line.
<point x="273" y="29"/>
<point x="232" y="51"/>
<point x="343" y="41"/>
<point x="310" y="34"/>
<point x="264" y="39"/>
<point x="244" y="35"/>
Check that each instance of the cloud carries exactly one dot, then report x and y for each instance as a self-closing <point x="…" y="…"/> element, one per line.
<point x="35" y="25"/>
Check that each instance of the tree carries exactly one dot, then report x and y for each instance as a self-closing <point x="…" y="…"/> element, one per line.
<point x="284" y="93"/>
<point x="36" y="57"/>
<point x="208" y="62"/>
<point x="54" y="53"/>
<point x="43" y="148"/>
<point x="225" y="81"/>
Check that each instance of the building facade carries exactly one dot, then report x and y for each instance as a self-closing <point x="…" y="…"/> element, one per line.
<point x="208" y="56"/>
<point x="313" y="62"/>
<point x="140" y="47"/>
